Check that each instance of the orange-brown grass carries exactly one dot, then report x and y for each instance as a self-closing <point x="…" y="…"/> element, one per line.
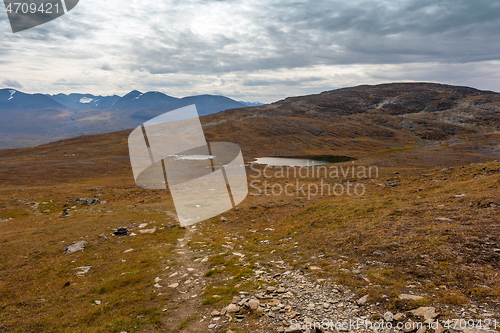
<point x="431" y="242"/>
<point x="455" y="257"/>
<point x="35" y="270"/>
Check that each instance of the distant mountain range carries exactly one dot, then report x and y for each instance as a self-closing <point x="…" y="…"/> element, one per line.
<point x="12" y="99"/>
<point x="85" y="101"/>
<point x="32" y="119"/>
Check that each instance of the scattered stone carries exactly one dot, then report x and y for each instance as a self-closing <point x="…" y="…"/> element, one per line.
<point x="128" y="250"/>
<point x="388" y="316"/>
<point x="377" y="253"/>
<point x="223" y="219"/>
<point x="142" y="225"/>
<point x="271" y="289"/>
<point x="147" y="231"/>
<point x="82" y="270"/>
<point x="425" y="312"/>
<point x="460" y="195"/>
<point x="439" y="328"/>
<point x="409" y="297"/>
<point x="398" y="316"/>
<point x="65" y="213"/>
<point x="97" y="302"/>
<point x="314" y="268"/>
<point x="362" y="300"/>
<point x="173" y="285"/>
<point x="215" y="313"/>
<point x="477" y="330"/>
<point x="274" y="302"/>
<point x="78" y="246"/>
<point x="89" y="202"/>
<point x="157" y="285"/>
<point x="410" y="326"/>
<point x="253" y="304"/>
<point x="231" y="308"/>
<point x="157" y="279"/>
<point x="443" y="219"/>
<point x="422" y="329"/>
<point x="212" y="326"/>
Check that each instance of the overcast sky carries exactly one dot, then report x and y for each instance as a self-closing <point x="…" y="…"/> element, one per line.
<point x="253" y="50"/>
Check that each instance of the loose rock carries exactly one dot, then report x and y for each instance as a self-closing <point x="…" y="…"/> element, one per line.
<point x="78" y="246"/>
<point x="425" y="312"/>
<point x="410" y="297"/>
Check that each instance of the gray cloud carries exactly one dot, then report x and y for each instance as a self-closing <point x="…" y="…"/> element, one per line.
<point x="234" y="45"/>
<point x="12" y="84"/>
<point x="293" y="35"/>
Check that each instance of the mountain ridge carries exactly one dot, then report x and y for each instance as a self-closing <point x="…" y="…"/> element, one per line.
<point x="347" y="121"/>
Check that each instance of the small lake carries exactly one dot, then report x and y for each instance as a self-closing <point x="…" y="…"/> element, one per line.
<point x="192" y="157"/>
<point x="284" y="161"/>
<point x="305" y="161"/>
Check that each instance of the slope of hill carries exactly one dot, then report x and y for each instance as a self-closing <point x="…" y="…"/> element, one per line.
<point x="359" y="120"/>
<point x="11" y="99"/>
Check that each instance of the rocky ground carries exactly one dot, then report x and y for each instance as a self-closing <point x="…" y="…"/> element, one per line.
<point x="291" y="300"/>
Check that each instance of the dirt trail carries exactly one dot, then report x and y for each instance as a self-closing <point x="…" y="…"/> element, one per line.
<point x="186" y="277"/>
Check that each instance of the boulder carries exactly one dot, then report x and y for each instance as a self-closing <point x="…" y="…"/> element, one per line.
<point x="253" y="304"/>
<point x="388" y="316"/>
<point x="121" y="231"/>
<point x="409" y="297"/>
<point x="362" y="300"/>
<point x="231" y="308"/>
<point x="78" y="246"/>
<point x="425" y="312"/>
<point x="399" y="316"/>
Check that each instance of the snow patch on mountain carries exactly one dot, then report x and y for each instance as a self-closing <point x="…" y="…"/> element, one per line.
<point x="12" y="92"/>
<point x="86" y="100"/>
